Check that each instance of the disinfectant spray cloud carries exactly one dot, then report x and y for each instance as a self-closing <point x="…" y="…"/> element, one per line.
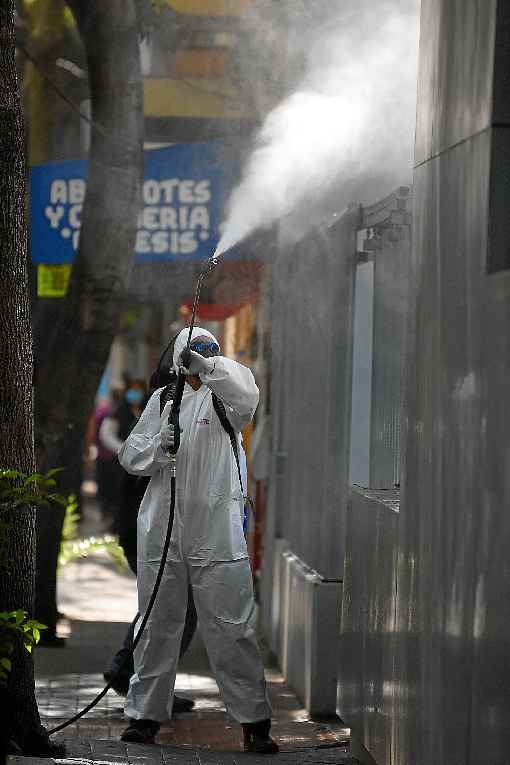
<point x="347" y="133"/>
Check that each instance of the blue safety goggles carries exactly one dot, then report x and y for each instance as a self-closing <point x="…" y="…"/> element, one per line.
<point x="206" y="349"/>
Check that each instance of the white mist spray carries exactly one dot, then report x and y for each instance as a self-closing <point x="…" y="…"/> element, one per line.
<point x="347" y="132"/>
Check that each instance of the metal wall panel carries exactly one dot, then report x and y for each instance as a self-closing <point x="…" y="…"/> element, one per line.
<point x="443" y="458"/>
<point x="311" y="354"/>
<point x="322" y="659"/>
<point x="391" y="287"/>
<point x="276" y="508"/>
<point x="453" y="625"/>
<point x="501" y="81"/>
<point x="272" y="600"/>
<point x="309" y="629"/>
<point x="311" y="390"/>
<point x="490" y="708"/>
<point x="366" y="656"/>
<point x="455" y="73"/>
<point x="362" y="374"/>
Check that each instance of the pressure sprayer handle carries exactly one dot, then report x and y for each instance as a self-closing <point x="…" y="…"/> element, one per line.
<point x="175" y="411"/>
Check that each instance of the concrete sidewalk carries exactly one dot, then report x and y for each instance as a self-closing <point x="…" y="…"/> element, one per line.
<point x="99" y="603"/>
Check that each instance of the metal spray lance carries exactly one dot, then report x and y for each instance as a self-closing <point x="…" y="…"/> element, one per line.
<point x="175" y="410"/>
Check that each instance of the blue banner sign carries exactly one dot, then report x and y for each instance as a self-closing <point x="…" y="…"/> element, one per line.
<point x="183" y="198"/>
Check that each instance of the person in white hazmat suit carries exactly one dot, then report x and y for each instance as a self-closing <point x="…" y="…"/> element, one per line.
<point x="207" y="547"/>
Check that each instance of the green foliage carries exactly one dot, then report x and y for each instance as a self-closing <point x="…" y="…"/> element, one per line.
<point x="73" y="547"/>
<point x="15" y="625"/>
<point x="158" y="5"/>
<point x="81" y="548"/>
<point x="19" y="489"/>
<point x="71" y="519"/>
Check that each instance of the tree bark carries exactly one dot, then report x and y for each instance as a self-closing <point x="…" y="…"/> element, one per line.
<point x="72" y="358"/>
<point x="20" y="717"/>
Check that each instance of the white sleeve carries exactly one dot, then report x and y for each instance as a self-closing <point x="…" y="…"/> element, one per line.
<point x="235" y="385"/>
<point x="141" y="453"/>
<point x="108" y="435"/>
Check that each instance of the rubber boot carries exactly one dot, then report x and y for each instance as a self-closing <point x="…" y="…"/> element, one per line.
<point x="141" y="732"/>
<point x="257" y="738"/>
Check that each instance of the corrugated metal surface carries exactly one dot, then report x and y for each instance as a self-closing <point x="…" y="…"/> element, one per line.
<point x="453" y="616"/>
<point x="443" y="458"/>
<point x="310" y="395"/>
<point x="309" y="629"/>
<point x="272" y="589"/>
<point x="381" y="288"/>
<point x="456" y="72"/>
<point x="366" y="658"/>
<point x="311" y="354"/>
<point x="391" y="287"/>
<point x="322" y="659"/>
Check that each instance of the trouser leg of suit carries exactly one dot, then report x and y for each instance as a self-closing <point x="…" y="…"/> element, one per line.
<point x="223" y="594"/>
<point x="151" y="688"/>
<point x="190" y="626"/>
<point x="120" y="660"/>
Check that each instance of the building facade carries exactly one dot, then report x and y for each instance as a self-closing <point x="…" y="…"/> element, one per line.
<point x="387" y="522"/>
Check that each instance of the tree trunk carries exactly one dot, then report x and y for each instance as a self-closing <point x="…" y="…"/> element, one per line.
<point x="73" y="357"/>
<point x="20" y="717"/>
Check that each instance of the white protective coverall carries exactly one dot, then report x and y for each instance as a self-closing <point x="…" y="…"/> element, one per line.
<point x="207" y="546"/>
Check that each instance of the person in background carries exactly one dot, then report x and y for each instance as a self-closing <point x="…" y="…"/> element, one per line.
<point x="108" y="475"/>
<point x="113" y="431"/>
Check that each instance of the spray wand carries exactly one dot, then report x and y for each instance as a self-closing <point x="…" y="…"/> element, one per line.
<point x="173" y="417"/>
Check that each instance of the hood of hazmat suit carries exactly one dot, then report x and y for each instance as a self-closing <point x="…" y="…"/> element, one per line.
<point x="182" y="339"/>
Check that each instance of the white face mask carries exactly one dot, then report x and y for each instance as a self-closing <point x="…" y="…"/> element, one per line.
<point x="134" y="396"/>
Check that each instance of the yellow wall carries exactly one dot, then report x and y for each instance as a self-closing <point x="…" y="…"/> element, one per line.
<point x="210" y="7"/>
<point x="166" y="97"/>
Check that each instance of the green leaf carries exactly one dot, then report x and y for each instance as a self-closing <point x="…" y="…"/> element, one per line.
<point x="39" y="625"/>
<point x="6" y="663"/>
<point x="33" y="478"/>
<point x="54" y="471"/>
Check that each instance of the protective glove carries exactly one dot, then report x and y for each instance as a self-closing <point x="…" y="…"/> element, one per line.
<point x="167" y="434"/>
<point x="193" y="363"/>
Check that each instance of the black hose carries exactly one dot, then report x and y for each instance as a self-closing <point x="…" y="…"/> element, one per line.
<point x="174" y="419"/>
<point x="143" y="622"/>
